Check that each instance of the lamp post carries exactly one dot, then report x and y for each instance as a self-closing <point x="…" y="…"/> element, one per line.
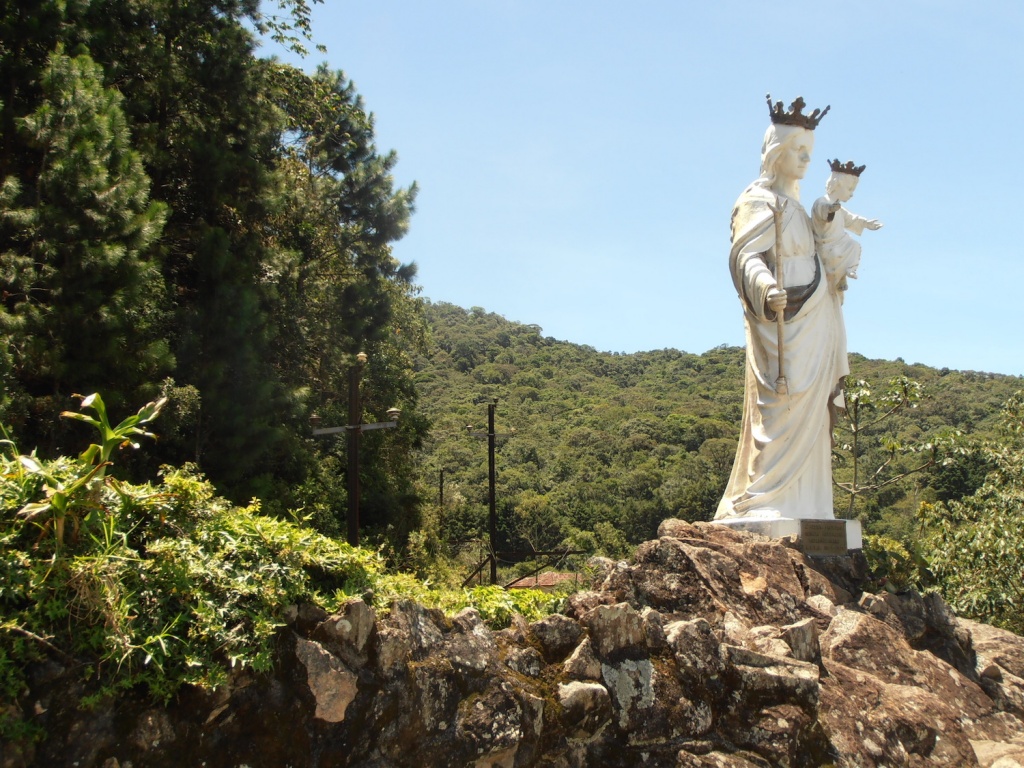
<point x="355" y="429"/>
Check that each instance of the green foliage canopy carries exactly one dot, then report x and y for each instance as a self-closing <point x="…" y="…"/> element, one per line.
<point x="179" y="216"/>
<point x="976" y="543"/>
<point x="606" y="445"/>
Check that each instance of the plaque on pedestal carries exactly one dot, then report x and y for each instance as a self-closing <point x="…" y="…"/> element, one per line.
<point x="823" y="537"/>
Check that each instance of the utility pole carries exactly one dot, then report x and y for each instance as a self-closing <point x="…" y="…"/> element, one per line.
<point x="355" y="418"/>
<point x="492" y="508"/>
<point x="492" y="525"/>
<point x="355" y="429"/>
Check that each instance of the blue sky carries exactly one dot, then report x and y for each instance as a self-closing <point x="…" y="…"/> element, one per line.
<point x="578" y="159"/>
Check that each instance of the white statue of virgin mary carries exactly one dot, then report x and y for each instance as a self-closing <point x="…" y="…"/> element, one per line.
<point x="783" y="462"/>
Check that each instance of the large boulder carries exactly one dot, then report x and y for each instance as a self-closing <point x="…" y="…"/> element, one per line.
<point x="557" y="636"/>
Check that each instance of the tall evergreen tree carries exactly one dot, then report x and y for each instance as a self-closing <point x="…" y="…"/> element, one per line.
<point x="274" y="264"/>
<point x="209" y="134"/>
<point x="83" y="298"/>
<point x="341" y="290"/>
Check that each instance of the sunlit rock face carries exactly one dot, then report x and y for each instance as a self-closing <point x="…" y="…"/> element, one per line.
<point x="710" y="648"/>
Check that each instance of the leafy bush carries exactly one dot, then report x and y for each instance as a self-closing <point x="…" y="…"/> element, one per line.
<point x="167" y="584"/>
<point x="893" y="566"/>
<point x="497" y="605"/>
<point x="157" y="585"/>
<point x="976" y="544"/>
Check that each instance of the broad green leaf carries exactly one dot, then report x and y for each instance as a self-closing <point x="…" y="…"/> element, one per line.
<point x="81" y="417"/>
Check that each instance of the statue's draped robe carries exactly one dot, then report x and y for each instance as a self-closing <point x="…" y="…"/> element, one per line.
<point x="783" y="461"/>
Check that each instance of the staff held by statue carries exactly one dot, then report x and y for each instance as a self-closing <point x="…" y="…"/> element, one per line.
<point x="781" y="385"/>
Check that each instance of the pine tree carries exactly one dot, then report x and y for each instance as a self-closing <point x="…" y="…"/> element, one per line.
<point x="83" y="298"/>
<point x="341" y="289"/>
<point x="273" y="266"/>
<point x="195" y="95"/>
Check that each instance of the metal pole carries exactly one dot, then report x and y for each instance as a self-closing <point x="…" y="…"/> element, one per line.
<point x="490" y="493"/>
<point x="355" y="418"/>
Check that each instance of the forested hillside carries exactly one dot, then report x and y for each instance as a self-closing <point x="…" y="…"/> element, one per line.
<point x="598" y="448"/>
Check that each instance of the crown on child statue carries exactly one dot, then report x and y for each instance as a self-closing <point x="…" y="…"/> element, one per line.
<point x="795" y="115"/>
<point x="850" y="168"/>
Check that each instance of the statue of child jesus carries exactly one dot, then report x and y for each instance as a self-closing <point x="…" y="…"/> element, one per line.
<point x="839" y="253"/>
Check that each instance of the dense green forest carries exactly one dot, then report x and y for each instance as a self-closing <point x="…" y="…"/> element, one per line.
<point x="203" y="236"/>
<point x="600" y="447"/>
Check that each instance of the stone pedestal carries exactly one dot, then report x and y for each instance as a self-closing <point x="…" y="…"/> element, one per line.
<point x="815" y="538"/>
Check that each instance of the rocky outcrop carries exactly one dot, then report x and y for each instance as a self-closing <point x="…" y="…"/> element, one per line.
<point x="710" y="649"/>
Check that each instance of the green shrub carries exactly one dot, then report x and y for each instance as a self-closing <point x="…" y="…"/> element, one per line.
<point x="497" y="605"/>
<point x="893" y="566"/>
<point x="166" y="584"/>
<point x="154" y="585"/>
<point x="976" y="544"/>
